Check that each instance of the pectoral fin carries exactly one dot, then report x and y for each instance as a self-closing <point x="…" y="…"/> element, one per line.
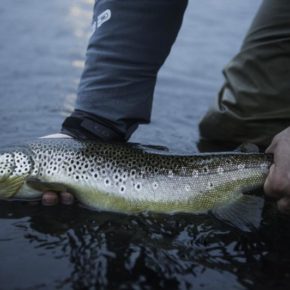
<point x="244" y="213"/>
<point x="10" y="186"/>
<point x="41" y="185"/>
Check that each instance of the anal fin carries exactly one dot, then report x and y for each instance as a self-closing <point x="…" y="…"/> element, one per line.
<point x="245" y="213"/>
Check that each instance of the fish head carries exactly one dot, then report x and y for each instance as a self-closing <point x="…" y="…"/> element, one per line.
<point x="15" y="166"/>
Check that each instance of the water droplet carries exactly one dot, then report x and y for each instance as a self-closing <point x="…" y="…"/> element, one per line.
<point x="155" y="185"/>
<point x="210" y="185"/>
<point x="220" y="170"/>
<point x="264" y="166"/>
<point x="195" y="173"/>
<point x="100" y="159"/>
<point x="241" y="166"/>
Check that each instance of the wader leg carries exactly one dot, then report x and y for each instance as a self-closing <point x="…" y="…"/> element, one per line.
<point x="254" y="103"/>
<point x="132" y="39"/>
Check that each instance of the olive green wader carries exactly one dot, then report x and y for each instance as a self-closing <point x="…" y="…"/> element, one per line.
<point x="254" y="103"/>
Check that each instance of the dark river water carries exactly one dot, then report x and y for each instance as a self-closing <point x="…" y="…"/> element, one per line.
<point x="41" y="55"/>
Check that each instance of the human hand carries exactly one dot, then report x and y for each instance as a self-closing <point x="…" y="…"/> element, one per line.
<point x="53" y="198"/>
<point x="277" y="184"/>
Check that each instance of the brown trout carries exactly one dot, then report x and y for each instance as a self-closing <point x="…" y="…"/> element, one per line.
<point x="126" y="178"/>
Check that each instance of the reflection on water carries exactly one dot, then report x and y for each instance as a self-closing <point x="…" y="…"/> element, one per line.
<point x="80" y="15"/>
<point x="149" y="251"/>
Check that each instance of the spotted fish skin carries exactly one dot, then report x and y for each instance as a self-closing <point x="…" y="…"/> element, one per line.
<point x="125" y="178"/>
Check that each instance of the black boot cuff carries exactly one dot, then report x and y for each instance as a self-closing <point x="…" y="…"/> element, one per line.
<point x="84" y="126"/>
